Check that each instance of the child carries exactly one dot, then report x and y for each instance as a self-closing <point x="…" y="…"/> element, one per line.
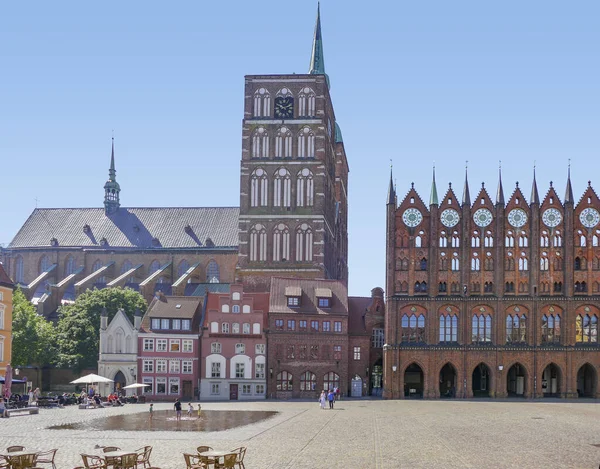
<point x="190" y="409"/>
<point x="151" y="410"/>
<point x="199" y="410"/>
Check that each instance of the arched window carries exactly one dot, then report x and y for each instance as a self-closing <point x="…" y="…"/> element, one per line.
<point x="306" y="143"/>
<point x="212" y="272"/>
<point x="443" y="264"/>
<point x="304" y="243"/>
<point x="305" y="188"/>
<point x="258" y="243"/>
<point x="558" y="264"/>
<point x="281" y="243"/>
<point x="19" y="278"/>
<point x="154" y="266"/>
<point x="509" y="287"/>
<point x="260" y="143"/>
<point x="481" y="330"/>
<point x="259" y="188"/>
<point x="557" y="287"/>
<point x="404" y="264"/>
<point x="516" y="328"/>
<point x="543" y="263"/>
<point x="44" y="264"/>
<point x="551" y="328"/>
<point x="523" y="263"/>
<point x="455" y="240"/>
<point x="126" y="267"/>
<point x="475" y="266"/>
<point x="544" y="240"/>
<point x="284" y="381"/>
<point x="306" y="103"/>
<point x="448" y="328"/>
<point x="423" y="264"/>
<point x="582" y="240"/>
<point x="577" y="263"/>
<point x="262" y="103"/>
<point x="442" y="287"/>
<point x="557" y="239"/>
<point x="586" y="328"/>
<point x="331" y="381"/>
<point x="595" y="240"/>
<point x="523" y="240"/>
<point x="509" y="241"/>
<point x="475" y="241"/>
<point x="308" y="381"/>
<point x="69" y="265"/>
<point x="455" y="264"/>
<point x="283" y="143"/>
<point x="489" y="263"/>
<point x="443" y="240"/>
<point x="97" y="266"/>
<point x="489" y="240"/>
<point x="413" y="328"/>
<point x="183" y="267"/>
<point x="488" y="287"/>
<point x="282" y="188"/>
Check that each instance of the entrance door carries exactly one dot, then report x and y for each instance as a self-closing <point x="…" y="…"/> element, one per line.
<point x="233" y="392"/>
<point x="481" y="381"/>
<point x="551" y="381"/>
<point x="187" y="389"/>
<point x="377" y="378"/>
<point x="448" y="381"/>
<point x="120" y="381"/>
<point x="586" y="381"/>
<point x="516" y="381"/>
<point x="356" y="387"/>
<point x="413" y="381"/>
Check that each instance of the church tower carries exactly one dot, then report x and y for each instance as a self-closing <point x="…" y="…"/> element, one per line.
<point x="294" y="178"/>
<point x="112" y="188"/>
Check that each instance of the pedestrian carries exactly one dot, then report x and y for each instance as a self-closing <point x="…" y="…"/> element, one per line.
<point x="151" y="410"/>
<point x="3" y="412"/>
<point x="190" y="409"/>
<point x="322" y="399"/>
<point x="331" y="398"/>
<point x="335" y="392"/>
<point x="177" y="406"/>
<point x="31" y="399"/>
<point x="199" y="410"/>
<point x="338" y="394"/>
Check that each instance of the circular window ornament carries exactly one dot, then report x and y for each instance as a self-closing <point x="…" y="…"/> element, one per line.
<point x="482" y="217"/>
<point x="517" y="309"/>
<point x="517" y="217"/>
<point x="589" y="217"/>
<point x="551" y="217"/>
<point x="412" y="217"/>
<point x="449" y="218"/>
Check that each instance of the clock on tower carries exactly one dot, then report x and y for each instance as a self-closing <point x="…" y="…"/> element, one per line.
<point x="284" y="107"/>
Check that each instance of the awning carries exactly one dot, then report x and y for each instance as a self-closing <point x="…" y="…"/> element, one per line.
<point x="18" y="381"/>
<point x="323" y="293"/>
<point x="293" y="291"/>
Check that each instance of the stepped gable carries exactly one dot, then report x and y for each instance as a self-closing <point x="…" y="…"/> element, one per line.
<point x="591" y="193"/>
<point x="487" y="200"/>
<point x="517" y="198"/>
<point x="412" y="200"/>
<point x="589" y="199"/>
<point x="551" y="199"/>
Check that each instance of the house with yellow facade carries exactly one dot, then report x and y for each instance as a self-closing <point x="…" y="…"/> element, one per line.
<point x="6" y="296"/>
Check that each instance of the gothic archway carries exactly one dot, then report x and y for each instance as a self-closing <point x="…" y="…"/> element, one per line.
<point x="516" y="381"/>
<point x="413" y="381"/>
<point x="587" y="381"/>
<point x="377" y="378"/>
<point x="448" y="381"/>
<point x="551" y="381"/>
<point x="119" y="381"/>
<point x="481" y="381"/>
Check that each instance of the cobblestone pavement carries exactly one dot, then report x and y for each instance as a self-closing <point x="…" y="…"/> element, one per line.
<point x="356" y="434"/>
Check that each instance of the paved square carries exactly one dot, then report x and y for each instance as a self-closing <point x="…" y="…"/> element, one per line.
<point x="357" y="434"/>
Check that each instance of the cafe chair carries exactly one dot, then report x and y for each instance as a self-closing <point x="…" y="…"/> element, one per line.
<point x="4" y="462"/>
<point x="143" y="456"/>
<point x="194" y="461"/>
<point x="93" y="462"/>
<point x="241" y="452"/>
<point x="12" y="449"/>
<point x="205" y="459"/>
<point x="23" y="461"/>
<point x="127" y="461"/>
<point x="229" y="461"/>
<point x="47" y="457"/>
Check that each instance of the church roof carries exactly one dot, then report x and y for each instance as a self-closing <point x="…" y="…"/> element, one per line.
<point x="156" y="227"/>
<point x="5" y="280"/>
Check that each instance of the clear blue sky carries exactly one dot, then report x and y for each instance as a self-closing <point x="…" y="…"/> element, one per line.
<point x="416" y="82"/>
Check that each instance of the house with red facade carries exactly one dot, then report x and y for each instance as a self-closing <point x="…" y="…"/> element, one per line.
<point x="234" y="346"/>
<point x="169" y="347"/>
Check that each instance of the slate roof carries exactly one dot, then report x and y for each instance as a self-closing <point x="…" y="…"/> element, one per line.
<point x="5" y="280"/>
<point x="357" y="308"/>
<point x="166" y="307"/>
<point x="156" y="227"/>
<point x="308" y="300"/>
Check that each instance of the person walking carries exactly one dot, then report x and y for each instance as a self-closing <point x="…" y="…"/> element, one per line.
<point x="322" y="399"/>
<point x="331" y="398"/>
<point x="151" y="410"/>
<point x="190" y="409"/>
<point x="177" y="406"/>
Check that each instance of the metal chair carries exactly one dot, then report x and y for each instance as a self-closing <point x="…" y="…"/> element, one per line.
<point x="111" y="460"/>
<point x="241" y="452"/>
<point x="93" y="462"/>
<point x="12" y="449"/>
<point x="47" y="457"/>
<point x="193" y="461"/>
<point x="143" y="456"/>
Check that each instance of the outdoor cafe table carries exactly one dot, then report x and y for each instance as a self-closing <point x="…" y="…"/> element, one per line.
<point x="216" y="454"/>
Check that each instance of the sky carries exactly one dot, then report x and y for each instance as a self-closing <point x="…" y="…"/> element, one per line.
<point x="418" y="83"/>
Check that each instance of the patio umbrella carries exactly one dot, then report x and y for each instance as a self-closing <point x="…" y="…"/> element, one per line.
<point x="7" y="381"/>
<point x="91" y="379"/>
<point x="135" y="386"/>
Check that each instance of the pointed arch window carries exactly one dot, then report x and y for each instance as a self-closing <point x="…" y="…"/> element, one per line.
<point x="488" y="287"/>
<point x="212" y="272"/>
<point x="442" y="287"/>
<point x="557" y="287"/>
<point x="557" y="240"/>
<point x="481" y="329"/>
<point x="283" y="143"/>
<point x="455" y="240"/>
<point x="154" y="266"/>
<point x="281" y="243"/>
<point x="260" y="143"/>
<point x="304" y="243"/>
<point x="413" y="328"/>
<point x="516" y="328"/>
<point x="448" y="328"/>
<point x="509" y="240"/>
<point x="544" y="240"/>
<point x="19" y="278"/>
<point x="595" y="240"/>
<point x="306" y="143"/>
<point x="586" y="328"/>
<point x="523" y="265"/>
<point x="305" y="188"/>
<point x="443" y="264"/>
<point x="489" y="263"/>
<point x="126" y="267"/>
<point x="259" y="188"/>
<point x="97" y="266"/>
<point x="475" y="264"/>
<point x="475" y="241"/>
<point x="489" y="240"/>
<point x="581" y="287"/>
<point x="551" y="329"/>
<point x="70" y="265"/>
<point x="282" y="188"/>
<point x="420" y="239"/>
<point x="455" y="264"/>
<point x="523" y="240"/>
<point x="306" y="103"/>
<point x="582" y="240"/>
<point x="543" y="263"/>
<point x="558" y="264"/>
<point x="262" y="103"/>
<point x="44" y="264"/>
<point x="510" y="263"/>
<point x="183" y="267"/>
<point x="258" y="243"/>
<point x="443" y="240"/>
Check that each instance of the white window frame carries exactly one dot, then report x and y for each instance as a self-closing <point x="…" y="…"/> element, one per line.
<point x="155" y="324"/>
<point x="246" y="328"/>
<point x="186" y="324"/>
<point x="216" y="347"/>
<point x="240" y="370"/>
<point x="161" y="365"/>
<point x="260" y="349"/>
<point x="174" y="366"/>
<point x="163" y="323"/>
<point x="240" y="349"/>
<point x="187" y="367"/>
<point x="214" y="368"/>
<point x="162" y="345"/>
<point x="259" y="370"/>
<point x="148" y="389"/>
<point x="178" y="383"/>
<point x="176" y="324"/>
<point x="161" y="380"/>
<point x="225" y="328"/>
<point x="149" y="345"/>
<point x="215" y="389"/>
<point x="187" y="346"/>
<point x="259" y="389"/>
<point x="148" y="366"/>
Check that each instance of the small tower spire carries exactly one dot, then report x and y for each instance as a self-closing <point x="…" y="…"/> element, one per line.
<point x="111" y="188"/>
<point x="466" y="200"/>
<point x="500" y="193"/>
<point x="569" y="190"/>
<point x="535" y="198"/>
<point x="317" y="61"/>
<point x="433" y="198"/>
<point x="391" y="189"/>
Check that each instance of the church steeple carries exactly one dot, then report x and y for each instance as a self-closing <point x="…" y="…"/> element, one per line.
<point x="466" y="200"/>
<point x="569" y="190"/>
<point x="111" y="188"/>
<point x="391" y="190"/>
<point x="433" y="198"/>
<point x="500" y="193"/>
<point x="535" y="198"/>
<point x="317" y="61"/>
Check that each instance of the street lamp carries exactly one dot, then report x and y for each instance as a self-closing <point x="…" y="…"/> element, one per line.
<point x="17" y="372"/>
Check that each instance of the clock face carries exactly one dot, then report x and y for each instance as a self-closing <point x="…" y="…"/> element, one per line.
<point x="412" y="217"/>
<point x="284" y="107"/>
<point x="517" y="217"/>
<point x="482" y="217"/>
<point x="589" y="217"/>
<point x="551" y="218"/>
<point x="449" y="218"/>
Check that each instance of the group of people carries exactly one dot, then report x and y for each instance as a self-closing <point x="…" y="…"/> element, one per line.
<point x="331" y="396"/>
<point x="177" y="407"/>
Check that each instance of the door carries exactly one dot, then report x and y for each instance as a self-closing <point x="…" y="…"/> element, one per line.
<point x="356" y="387"/>
<point x="187" y="389"/>
<point x="233" y="392"/>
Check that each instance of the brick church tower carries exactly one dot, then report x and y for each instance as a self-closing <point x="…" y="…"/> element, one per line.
<point x="294" y="179"/>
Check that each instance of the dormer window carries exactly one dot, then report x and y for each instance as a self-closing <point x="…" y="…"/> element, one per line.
<point x="323" y="297"/>
<point x="293" y="295"/>
<point x="324" y="302"/>
<point x="293" y="301"/>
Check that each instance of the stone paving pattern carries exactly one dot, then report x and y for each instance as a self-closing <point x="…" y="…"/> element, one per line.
<point x="356" y="434"/>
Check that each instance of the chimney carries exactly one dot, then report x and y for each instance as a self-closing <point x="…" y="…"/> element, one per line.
<point x="137" y="319"/>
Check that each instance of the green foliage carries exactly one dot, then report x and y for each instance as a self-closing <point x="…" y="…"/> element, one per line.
<point x="34" y="338"/>
<point x="78" y="327"/>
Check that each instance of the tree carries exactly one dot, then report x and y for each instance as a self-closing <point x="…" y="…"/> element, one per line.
<point x="34" y="338"/>
<point x="78" y="328"/>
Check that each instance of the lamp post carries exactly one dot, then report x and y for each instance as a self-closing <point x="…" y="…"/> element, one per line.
<point x="394" y="368"/>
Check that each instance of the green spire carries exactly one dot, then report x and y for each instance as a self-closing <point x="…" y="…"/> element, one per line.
<point x="433" y="198"/>
<point x="317" y="61"/>
<point x="112" y="188"/>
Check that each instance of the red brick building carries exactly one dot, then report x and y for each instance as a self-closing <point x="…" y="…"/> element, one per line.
<point x="492" y="298"/>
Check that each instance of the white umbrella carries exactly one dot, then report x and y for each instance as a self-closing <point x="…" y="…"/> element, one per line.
<point x="91" y="379"/>
<point x="135" y="386"/>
